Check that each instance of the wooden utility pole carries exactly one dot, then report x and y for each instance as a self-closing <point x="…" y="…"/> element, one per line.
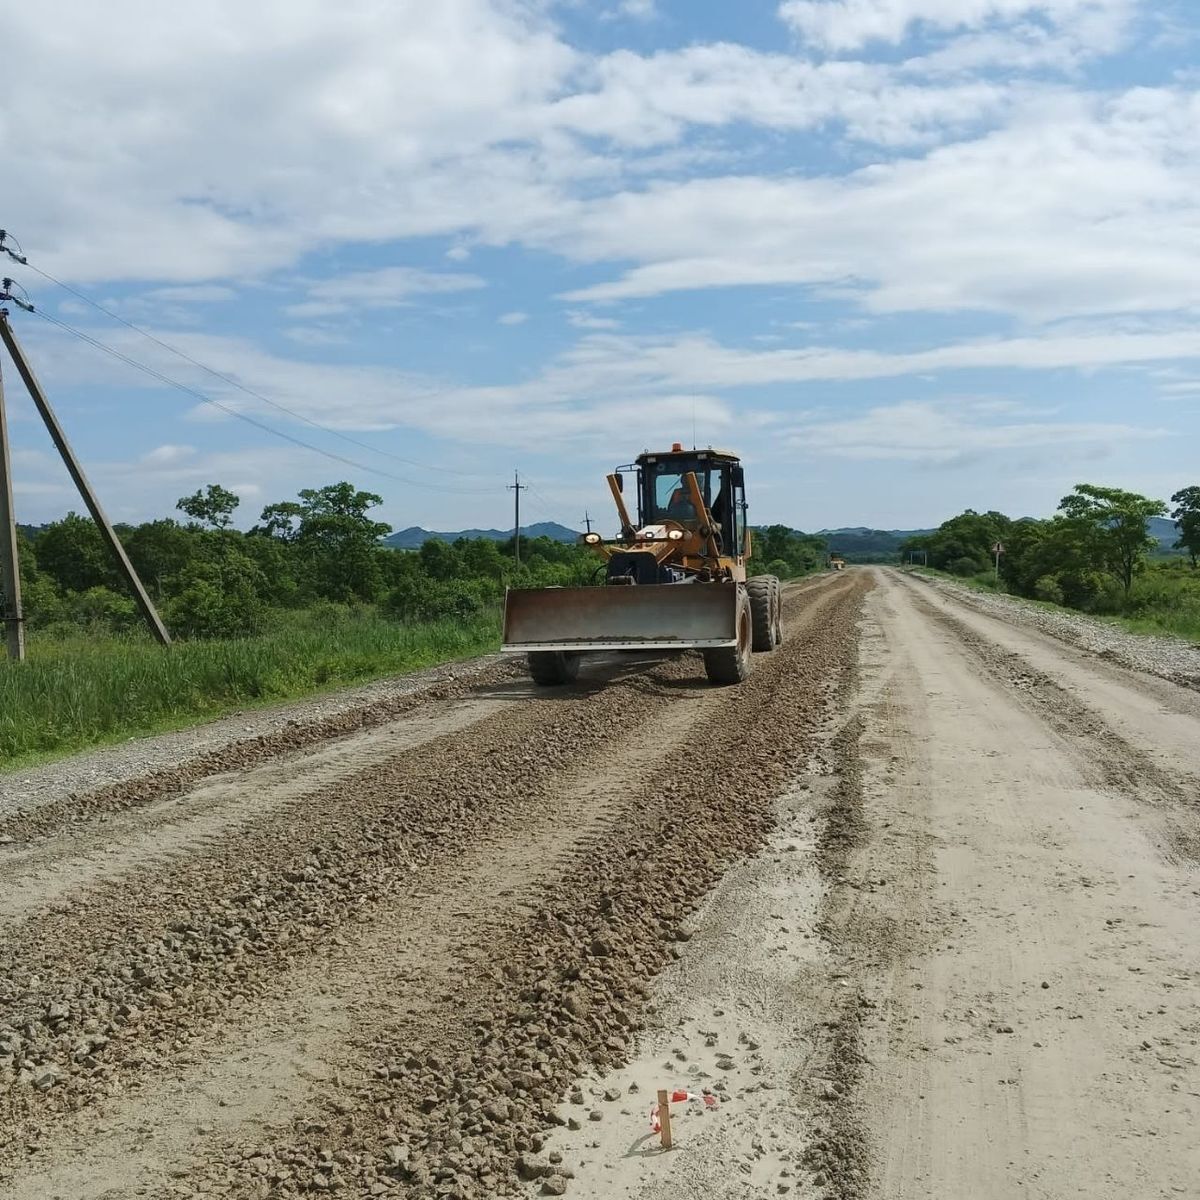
<point x="517" y="487"/>
<point x="140" y="595"/>
<point x="10" y="569"/>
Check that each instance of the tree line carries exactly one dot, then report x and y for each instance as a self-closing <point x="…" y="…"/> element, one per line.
<point x="1091" y="555"/>
<point x="325" y="547"/>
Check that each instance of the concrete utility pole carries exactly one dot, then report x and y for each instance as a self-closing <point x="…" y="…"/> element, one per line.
<point x="517" y="487"/>
<point x="10" y="569"/>
<point x="59" y="438"/>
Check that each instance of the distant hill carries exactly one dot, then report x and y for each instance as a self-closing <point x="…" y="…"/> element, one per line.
<point x="415" y="537"/>
<point x="859" y="544"/>
<point x="1165" y="532"/>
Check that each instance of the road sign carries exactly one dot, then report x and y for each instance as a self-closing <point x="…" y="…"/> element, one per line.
<point x="998" y="548"/>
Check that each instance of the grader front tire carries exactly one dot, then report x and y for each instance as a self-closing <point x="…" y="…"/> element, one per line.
<point x="550" y="667"/>
<point x="763" y="591"/>
<point x="731" y="664"/>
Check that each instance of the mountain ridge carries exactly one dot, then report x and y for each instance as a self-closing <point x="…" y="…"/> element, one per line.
<point x="414" y="537"/>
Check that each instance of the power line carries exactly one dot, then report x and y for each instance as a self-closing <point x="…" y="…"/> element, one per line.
<point x="228" y="379"/>
<point x="241" y="416"/>
<point x="552" y="505"/>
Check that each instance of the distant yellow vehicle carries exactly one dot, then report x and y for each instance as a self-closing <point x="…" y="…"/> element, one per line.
<point x="836" y="562"/>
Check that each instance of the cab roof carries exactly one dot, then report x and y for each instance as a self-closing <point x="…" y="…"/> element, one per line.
<point x="648" y="456"/>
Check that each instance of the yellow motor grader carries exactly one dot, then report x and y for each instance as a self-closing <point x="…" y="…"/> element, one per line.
<point x="674" y="579"/>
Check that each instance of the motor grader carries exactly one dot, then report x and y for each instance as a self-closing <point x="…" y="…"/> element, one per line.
<point x="673" y="579"/>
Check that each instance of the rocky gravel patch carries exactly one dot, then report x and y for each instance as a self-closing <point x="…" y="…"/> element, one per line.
<point x="468" y="1121"/>
<point x="1169" y="658"/>
<point x="41" y="801"/>
<point x="453" y="1099"/>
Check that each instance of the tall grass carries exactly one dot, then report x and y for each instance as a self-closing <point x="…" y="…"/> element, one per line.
<point x="79" y="691"/>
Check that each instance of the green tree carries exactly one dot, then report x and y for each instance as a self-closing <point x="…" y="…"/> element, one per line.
<point x="963" y="544"/>
<point x="335" y="539"/>
<point x="219" y="596"/>
<point x="212" y="505"/>
<point x="1111" y="525"/>
<point x="1186" y="516"/>
<point x="73" y="554"/>
<point x="160" y="550"/>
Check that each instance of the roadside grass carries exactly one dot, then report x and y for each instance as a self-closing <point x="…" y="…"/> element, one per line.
<point x="1168" y="602"/>
<point x="79" y="691"/>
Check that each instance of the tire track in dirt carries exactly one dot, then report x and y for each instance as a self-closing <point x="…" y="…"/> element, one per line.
<point x="1104" y="757"/>
<point x="239" y="946"/>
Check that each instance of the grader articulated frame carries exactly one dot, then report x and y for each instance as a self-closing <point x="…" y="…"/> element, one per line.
<point x="675" y="579"/>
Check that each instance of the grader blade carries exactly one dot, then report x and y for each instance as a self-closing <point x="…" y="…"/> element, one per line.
<point x="679" y="616"/>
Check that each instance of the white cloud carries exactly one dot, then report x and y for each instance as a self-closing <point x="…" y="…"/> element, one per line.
<point x="227" y="139"/>
<point x="363" y="131"/>
<point x="513" y="318"/>
<point x="388" y="287"/>
<point x="167" y="455"/>
<point x="850" y="24"/>
<point x="1084" y="206"/>
<point x="650" y="100"/>
<point x="587" y="320"/>
<point x="944" y="434"/>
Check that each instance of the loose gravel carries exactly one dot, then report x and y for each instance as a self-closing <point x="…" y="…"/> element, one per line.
<point x="236" y="740"/>
<point x="452" y="1098"/>
<point x="1167" y="657"/>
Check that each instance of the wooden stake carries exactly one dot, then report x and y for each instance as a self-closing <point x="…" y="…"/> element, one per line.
<point x="664" y="1117"/>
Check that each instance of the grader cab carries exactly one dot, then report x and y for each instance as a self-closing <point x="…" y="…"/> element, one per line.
<point x="674" y="578"/>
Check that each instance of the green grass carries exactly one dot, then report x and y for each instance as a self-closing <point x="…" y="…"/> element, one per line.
<point x="1181" y="623"/>
<point x="83" y="691"/>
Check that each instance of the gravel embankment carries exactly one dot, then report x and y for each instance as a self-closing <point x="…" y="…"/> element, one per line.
<point x="298" y="722"/>
<point x="1168" y="658"/>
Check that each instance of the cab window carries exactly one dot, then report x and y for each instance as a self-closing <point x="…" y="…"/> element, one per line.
<point x="669" y="494"/>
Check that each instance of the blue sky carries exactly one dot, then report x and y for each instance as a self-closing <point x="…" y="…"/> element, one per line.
<point x="906" y="256"/>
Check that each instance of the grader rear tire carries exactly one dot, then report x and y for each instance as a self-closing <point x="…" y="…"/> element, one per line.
<point x="731" y="664"/>
<point x="777" y="610"/>
<point x="550" y="667"/>
<point x="763" y="591"/>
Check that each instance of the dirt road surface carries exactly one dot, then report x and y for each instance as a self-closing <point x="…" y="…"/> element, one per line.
<point x="916" y="907"/>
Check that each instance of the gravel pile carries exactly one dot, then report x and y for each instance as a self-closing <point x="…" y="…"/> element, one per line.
<point x="95" y="995"/>
<point x="236" y="741"/>
<point x="1166" y="657"/>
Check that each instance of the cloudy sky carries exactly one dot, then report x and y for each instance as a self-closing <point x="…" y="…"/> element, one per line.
<point x="906" y="256"/>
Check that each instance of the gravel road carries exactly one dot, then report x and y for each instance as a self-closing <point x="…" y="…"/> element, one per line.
<point x="371" y="961"/>
<point x="1169" y="658"/>
<point x="916" y="906"/>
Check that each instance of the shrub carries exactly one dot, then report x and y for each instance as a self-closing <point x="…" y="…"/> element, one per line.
<point x="101" y="607"/>
<point x="1048" y="588"/>
<point x="965" y="567"/>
